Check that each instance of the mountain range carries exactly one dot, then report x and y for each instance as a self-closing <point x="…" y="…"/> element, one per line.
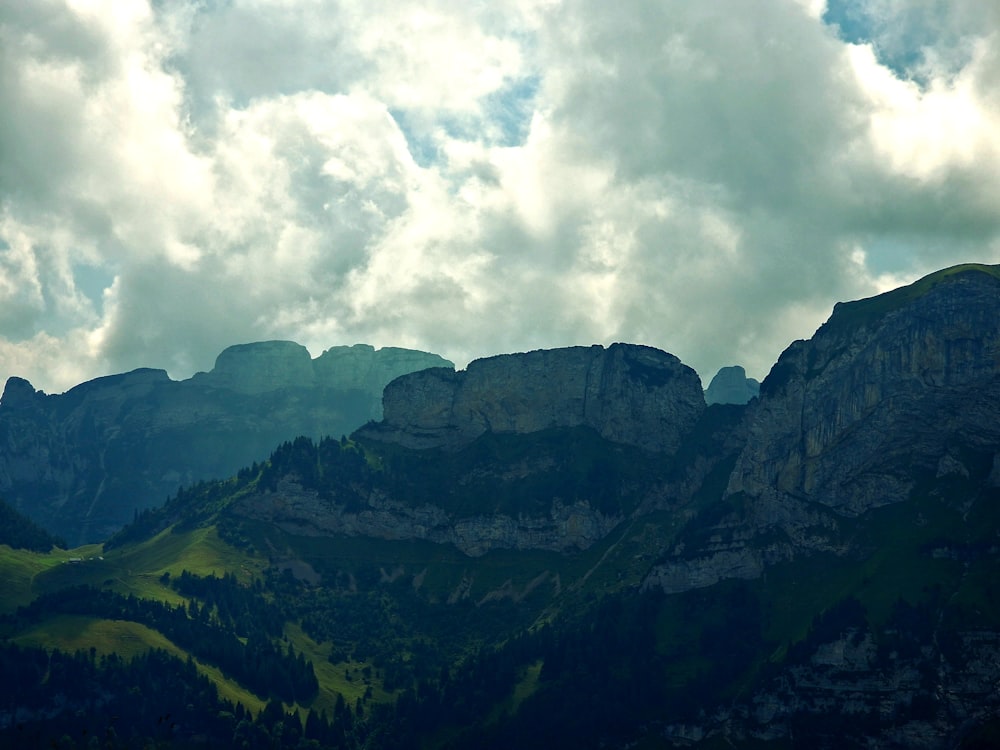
<point x="84" y="462"/>
<point x="572" y="547"/>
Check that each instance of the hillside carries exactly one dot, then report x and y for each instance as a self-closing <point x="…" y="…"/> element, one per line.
<point x="570" y="549"/>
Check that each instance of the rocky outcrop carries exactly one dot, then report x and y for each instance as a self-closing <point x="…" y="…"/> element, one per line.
<point x="566" y="527"/>
<point x="629" y="394"/>
<point x="731" y="386"/>
<point x="893" y="396"/>
<point x="268" y="366"/>
<point x="82" y="463"/>
<point x="888" y="386"/>
<point x="261" y="367"/>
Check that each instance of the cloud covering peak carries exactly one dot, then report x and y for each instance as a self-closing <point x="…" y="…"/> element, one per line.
<point x="475" y="178"/>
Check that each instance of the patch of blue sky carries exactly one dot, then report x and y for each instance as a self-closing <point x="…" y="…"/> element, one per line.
<point x="505" y="121"/>
<point x="510" y="109"/>
<point x="851" y="19"/>
<point x="91" y="281"/>
<point x="889" y="254"/>
<point x="419" y="139"/>
<point x="898" y="43"/>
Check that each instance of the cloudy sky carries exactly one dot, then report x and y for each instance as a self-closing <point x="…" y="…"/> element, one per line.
<point x="472" y="177"/>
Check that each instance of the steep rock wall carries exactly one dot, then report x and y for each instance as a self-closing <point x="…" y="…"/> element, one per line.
<point x="629" y="394"/>
<point x="892" y="396"/>
<point x="884" y="390"/>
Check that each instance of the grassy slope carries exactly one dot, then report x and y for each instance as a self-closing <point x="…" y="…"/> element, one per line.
<point x="22" y="572"/>
<point x="78" y="633"/>
<point x="132" y="570"/>
<point x="333" y="677"/>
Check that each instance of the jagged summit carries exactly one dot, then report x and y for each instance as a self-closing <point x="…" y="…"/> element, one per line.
<point x="17" y="393"/>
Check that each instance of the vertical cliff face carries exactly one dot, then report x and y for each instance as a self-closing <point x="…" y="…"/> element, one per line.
<point x="889" y="389"/>
<point x="629" y="394"/>
<point x="268" y="366"/>
<point x="262" y="367"/>
<point x="360" y="366"/>
<point x="83" y="462"/>
<point x="894" y="398"/>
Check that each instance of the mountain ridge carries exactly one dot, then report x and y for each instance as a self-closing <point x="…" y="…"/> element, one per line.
<point x="817" y="566"/>
<point x="631" y="394"/>
<point x="82" y="463"/>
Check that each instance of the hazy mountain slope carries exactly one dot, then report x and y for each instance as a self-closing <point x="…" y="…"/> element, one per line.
<point x="731" y="386"/>
<point x="84" y="462"/>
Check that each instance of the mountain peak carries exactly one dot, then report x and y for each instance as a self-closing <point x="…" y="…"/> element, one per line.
<point x="17" y="392"/>
<point x="731" y="386"/>
<point x="263" y="366"/>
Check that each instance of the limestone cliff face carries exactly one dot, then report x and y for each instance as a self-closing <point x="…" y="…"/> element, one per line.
<point x="262" y="367"/>
<point x="565" y="527"/>
<point x="83" y="462"/>
<point x="885" y="390"/>
<point x="268" y="366"/>
<point x="629" y="394"/>
<point x="891" y="395"/>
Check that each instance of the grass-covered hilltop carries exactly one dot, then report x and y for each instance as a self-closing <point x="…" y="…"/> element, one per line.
<point x="562" y="549"/>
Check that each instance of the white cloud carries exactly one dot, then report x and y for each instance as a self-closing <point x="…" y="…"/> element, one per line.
<point x="923" y="132"/>
<point x="475" y="178"/>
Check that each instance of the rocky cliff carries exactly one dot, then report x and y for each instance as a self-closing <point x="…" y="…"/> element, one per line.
<point x="268" y="366"/>
<point x="546" y="450"/>
<point x="894" y="398"/>
<point x="562" y="527"/>
<point x="731" y="386"/>
<point x="84" y="462"/>
<point x="629" y="394"/>
<point x="889" y="389"/>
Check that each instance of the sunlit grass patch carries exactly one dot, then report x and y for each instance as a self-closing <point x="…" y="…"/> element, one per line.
<point x="71" y="633"/>
<point x="333" y="678"/>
